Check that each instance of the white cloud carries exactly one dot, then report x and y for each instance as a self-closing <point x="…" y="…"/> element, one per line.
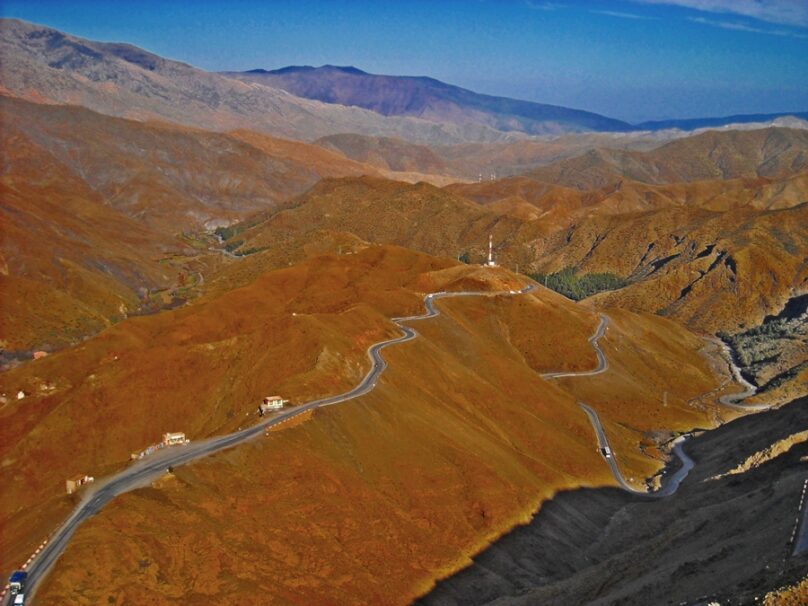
<point x="544" y="6"/>
<point x="746" y="28"/>
<point x="623" y="15"/>
<point x="784" y="12"/>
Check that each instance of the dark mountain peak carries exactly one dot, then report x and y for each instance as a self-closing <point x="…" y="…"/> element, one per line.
<point x="310" y="69"/>
<point x="289" y="69"/>
<point x="347" y="69"/>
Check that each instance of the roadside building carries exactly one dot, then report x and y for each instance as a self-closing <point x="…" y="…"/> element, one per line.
<point x="173" y="439"/>
<point x="73" y="484"/>
<point x="272" y="403"/>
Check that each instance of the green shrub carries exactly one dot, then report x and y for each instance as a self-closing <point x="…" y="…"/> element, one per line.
<point x="579" y="286"/>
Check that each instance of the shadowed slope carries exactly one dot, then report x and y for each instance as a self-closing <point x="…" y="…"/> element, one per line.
<point x="716" y="540"/>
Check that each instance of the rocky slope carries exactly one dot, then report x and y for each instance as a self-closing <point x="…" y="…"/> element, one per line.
<point x="712" y="270"/>
<point x="48" y="66"/>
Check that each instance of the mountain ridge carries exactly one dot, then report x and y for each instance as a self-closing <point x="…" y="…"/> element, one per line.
<point x="427" y="98"/>
<point x="285" y="79"/>
<point x="45" y="65"/>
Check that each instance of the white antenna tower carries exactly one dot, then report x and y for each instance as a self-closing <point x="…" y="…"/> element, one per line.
<point x="490" y="262"/>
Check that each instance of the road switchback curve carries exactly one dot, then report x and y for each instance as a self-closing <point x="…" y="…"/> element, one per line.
<point x="146" y="471"/>
<point x="672" y="483"/>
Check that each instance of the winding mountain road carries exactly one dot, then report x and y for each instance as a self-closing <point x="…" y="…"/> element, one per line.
<point x="146" y="471"/>
<point x="732" y="399"/>
<point x="672" y="483"/>
<point x="603" y="363"/>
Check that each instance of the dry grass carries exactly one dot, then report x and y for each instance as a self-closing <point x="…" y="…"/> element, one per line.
<point x="371" y="501"/>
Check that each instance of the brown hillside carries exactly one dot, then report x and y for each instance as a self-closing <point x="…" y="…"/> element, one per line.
<point x="384" y="152"/>
<point x="561" y="206"/>
<point x="168" y="177"/>
<point x="712" y="270"/>
<point x="315" y="158"/>
<point x="504" y="159"/>
<point x="421" y="216"/>
<point x="70" y="263"/>
<point x="92" y="207"/>
<point x="769" y="152"/>
<point x="461" y="440"/>
<point x="745" y="233"/>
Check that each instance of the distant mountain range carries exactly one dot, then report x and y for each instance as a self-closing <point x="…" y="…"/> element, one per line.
<point x="437" y="101"/>
<point x="768" y="153"/>
<point x="696" y="123"/>
<point x="428" y="99"/>
<point x="44" y="65"/>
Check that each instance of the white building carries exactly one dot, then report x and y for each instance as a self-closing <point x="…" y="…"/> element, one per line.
<point x="272" y="403"/>
<point x="171" y="439"/>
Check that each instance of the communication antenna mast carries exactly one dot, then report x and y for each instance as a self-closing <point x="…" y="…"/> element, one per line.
<point x="490" y="262"/>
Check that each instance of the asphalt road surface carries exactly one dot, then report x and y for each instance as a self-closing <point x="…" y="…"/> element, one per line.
<point x="145" y="471"/>
<point x="671" y="483"/>
<point x="732" y="400"/>
<point x="603" y="363"/>
<point x="801" y="540"/>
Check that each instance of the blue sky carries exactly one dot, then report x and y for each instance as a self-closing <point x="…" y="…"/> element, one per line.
<point x="633" y="59"/>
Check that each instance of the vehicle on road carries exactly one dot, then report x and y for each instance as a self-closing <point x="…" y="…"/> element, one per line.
<point x="16" y="582"/>
<point x="606" y="452"/>
<point x="19" y="599"/>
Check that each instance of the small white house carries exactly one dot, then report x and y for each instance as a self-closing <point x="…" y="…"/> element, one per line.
<point x="272" y="403"/>
<point x="172" y="439"/>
